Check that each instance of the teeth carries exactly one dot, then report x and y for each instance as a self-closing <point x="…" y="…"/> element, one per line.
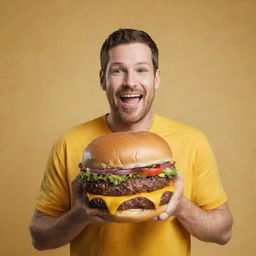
<point x="131" y="96"/>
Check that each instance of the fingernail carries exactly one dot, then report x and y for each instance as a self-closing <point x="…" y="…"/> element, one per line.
<point x="164" y="216"/>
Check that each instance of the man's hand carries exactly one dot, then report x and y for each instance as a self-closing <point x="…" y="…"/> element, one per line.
<point x="207" y="225"/>
<point x="81" y="205"/>
<point x="49" y="232"/>
<point x="176" y="200"/>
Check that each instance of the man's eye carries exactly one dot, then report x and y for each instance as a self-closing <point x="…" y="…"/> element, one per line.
<point x="117" y="71"/>
<point x="141" y="70"/>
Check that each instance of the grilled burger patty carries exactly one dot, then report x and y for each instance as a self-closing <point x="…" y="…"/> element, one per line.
<point x="130" y="187"/>
<point x="135" y="203"/>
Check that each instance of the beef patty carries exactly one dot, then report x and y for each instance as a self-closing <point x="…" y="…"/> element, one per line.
<point x="130" y="187"/>
<point x="135" y="203"/>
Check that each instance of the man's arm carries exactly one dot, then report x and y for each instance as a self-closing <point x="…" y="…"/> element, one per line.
<point x="49" y="232"/>
<point x="207" y="225"/>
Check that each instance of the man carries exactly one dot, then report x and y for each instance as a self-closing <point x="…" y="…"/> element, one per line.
<point x="129" y="74"/>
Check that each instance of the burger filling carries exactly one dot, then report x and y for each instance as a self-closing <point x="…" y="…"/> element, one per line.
<point x="135" y="203"/>
<point x="130" y="187"/>
<point x="116" y="182"/>
<point x="118" y="176"/>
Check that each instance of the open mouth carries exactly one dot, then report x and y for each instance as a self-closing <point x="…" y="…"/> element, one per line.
<point x="131" y="99"/>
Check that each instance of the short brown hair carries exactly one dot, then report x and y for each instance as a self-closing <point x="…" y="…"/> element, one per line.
<point x="124" y="36"/>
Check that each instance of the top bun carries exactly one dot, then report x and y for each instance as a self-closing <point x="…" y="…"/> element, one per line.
<point x="125" y="150"/>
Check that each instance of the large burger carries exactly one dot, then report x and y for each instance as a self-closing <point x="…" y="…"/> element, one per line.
<point x="128" y="175"/>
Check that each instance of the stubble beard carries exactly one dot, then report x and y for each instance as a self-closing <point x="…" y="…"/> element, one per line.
<point x="121" y="114"/>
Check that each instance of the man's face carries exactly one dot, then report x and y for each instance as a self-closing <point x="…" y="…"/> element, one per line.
<point x="130" y="81"/>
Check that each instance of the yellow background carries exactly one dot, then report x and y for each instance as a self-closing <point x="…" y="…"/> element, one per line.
<point x="49" y="82"/>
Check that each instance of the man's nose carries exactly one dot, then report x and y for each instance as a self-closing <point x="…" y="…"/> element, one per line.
<point x="130" y="79"/>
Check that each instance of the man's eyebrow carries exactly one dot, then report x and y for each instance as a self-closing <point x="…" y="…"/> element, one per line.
<point x="144" y="62"/>
<point x="116" y="63"/>
<point x="137" y="63"/>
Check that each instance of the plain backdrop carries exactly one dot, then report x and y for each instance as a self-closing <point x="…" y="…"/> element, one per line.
<point x="49" y="64"/>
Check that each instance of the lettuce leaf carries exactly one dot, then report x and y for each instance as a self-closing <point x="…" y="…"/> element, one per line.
<point x="86" y="176"/>
<point x="168" y="172"/>
<point x="115" y="179"/>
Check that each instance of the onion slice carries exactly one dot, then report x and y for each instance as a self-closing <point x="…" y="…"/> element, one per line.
<point x="166" y="165"/>
<point x="101" y="171"/>
<point x="110" y="171"/>
<point x="124" y="172"/>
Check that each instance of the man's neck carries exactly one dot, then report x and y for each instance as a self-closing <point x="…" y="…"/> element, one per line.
<point x="116" y="125"/>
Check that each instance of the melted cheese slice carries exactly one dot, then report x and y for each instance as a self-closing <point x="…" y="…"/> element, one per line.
<point x="113" y="202"/>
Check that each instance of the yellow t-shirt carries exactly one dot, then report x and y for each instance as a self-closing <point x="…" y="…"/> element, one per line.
<point x="194" y="158"/>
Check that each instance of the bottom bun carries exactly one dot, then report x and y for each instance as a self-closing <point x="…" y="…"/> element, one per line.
<point x="135" y="215"/>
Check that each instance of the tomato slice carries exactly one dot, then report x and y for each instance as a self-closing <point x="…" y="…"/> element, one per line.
<point x="151" y="171"/>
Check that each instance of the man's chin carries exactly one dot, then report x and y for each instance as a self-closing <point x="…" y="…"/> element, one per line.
<point x="132" y="118"/>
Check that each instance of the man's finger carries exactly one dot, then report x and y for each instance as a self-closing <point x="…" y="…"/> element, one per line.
<point x="163" y="216"/>
<point x="178" y="184"/>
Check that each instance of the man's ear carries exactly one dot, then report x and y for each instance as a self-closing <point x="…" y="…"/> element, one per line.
<point x="157" y="79"/>
<point x="102" y="80"/>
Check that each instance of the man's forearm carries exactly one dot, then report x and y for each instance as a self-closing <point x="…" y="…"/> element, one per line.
<point x="206" y="225"/>
<point x="50" y="232"/>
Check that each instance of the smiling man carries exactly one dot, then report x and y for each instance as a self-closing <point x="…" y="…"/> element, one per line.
<point x="130" y="75"/>
<point x="130" y="80"/>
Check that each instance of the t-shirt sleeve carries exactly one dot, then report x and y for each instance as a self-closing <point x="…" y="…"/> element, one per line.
<point x="54" y="194"/>
<point x="208" y="190"/>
